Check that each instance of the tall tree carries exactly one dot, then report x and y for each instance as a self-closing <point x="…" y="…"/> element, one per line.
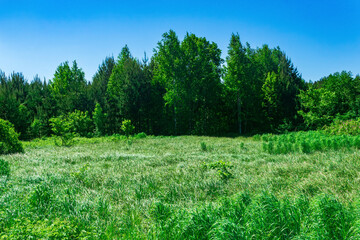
<point x="200" y="87"/>
<point x="100" y="81"/>
<point x="281" y="83"/>
<point x="237" y="74"/>
<point x="168" y="72"/>
<point x="41" y="106"/>
<point x="69" y="88"/>
<point x="129" y="91"/>
<point x="190" y="73"/>
<point x="13" y="92"/>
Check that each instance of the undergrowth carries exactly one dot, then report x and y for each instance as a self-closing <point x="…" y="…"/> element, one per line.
<point x="307" y="142"/>
<point x="262" y="216"/>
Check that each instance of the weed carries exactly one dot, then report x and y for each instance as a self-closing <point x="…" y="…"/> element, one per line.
<point x="4" y="168"/>
<point x="222" y="168"/>
<point x="82" y="173"/>
<point x="41" y="197"/>
<point x="203" y="146"/>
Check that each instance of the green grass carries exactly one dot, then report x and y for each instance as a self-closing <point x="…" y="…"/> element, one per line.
<point x="307" y="142"/>
<point x="179" y="188"/>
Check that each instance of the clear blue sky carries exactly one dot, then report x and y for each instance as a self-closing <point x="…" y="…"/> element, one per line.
<point x="320" y="36"/>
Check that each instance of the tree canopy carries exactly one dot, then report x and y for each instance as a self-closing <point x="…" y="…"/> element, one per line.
<point x="184" y="88"/>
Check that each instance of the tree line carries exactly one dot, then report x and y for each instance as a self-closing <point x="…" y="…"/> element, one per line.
<point x="184" y="88"/>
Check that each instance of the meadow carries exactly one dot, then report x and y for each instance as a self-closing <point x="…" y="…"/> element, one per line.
<point x="186" y="187"/>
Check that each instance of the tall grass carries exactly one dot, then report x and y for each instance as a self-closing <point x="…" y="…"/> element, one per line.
<point x="307" y="142"/>
<point x="171" y="188"/>
<point x="258" y="217"/>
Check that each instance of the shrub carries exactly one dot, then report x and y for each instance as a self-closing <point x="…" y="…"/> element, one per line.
<point x="35" y="128"/>
<point x="63" y="129"/>
<point x="305" y="147"/>
<point x="257" y="137"/>
<point x="127" y="127"/>
<point x="67" y="127"/>
<point x="140" y="135"/>
<point x="9" y="142"/>
<point x="344" y="127"/>
<point x="222" y="168"/>
<point x="99" y="120"/>
<point x="81" y="123"/>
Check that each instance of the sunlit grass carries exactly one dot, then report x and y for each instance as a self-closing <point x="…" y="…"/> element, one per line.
<point x="158" y="188"/>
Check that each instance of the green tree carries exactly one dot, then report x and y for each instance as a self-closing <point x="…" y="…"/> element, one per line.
<point x="334" y="96"/>
<point x="200" y="87"/>
<point x="237" y="74"/>
<point x="99" y="120"/>
<point x="281" y="83"/>
<point x="318" y="107"/>
<point x="167" y="71"/>
<point x="271" y="96"/>
<point x="190" y="74"/>
<point x="13" y="92"/>
<point x="100" y="81"/>
<point x="68" y="88"/>
<point x="41" y="107"/>
<point x="128" y="91"/>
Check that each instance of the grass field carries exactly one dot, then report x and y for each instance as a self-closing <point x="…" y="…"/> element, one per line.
<point x="184" y="187"/>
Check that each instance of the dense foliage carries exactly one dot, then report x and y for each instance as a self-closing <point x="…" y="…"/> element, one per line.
<point x="344" y="127"/>
<point x="9" y="142"/>
<point x="185" y="88"/>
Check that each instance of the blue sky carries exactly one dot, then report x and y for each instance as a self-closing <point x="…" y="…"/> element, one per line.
<point x="320" y="37"/>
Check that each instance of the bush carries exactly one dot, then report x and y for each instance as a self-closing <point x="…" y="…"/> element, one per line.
<point x="81" y="123"/>
<point x="347" y="127"/>
<point x="63" y="129"/>
<point x="222" y="168"/>
<point x="127" y="127"/>
<point x="99" y="120"/>
<point x="67" y="127"/>
<point x="9" y="142"/>
<point x="140" y="135"/>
